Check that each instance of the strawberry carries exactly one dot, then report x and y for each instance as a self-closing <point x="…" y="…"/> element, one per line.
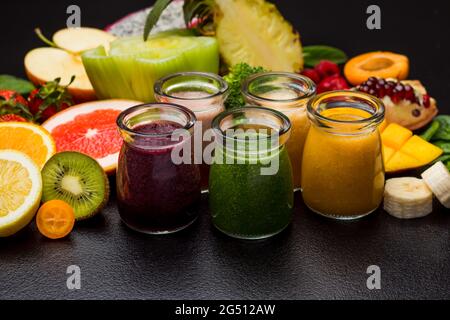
<point x="12" y="103"/>
<point x="49" y="99"/>
<point x="12" y="117"/>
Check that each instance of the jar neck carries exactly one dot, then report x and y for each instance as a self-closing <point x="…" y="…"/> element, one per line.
<point x="251" y="131"/>
<point x="156" y="125"/>
<point x="199" y="91"/>
<point x="346" y="112"/>
<point x="278" y="90"/>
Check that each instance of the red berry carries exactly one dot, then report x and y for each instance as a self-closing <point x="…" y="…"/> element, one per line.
<point x="12" y="117"/>
<point x="312" y="74"/>
<point x="327" y="68"/>
<point x="426" y="101"/>
<point x="332" y="83"/>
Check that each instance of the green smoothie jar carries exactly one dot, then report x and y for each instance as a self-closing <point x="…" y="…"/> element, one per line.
<point x="250" y="183"/>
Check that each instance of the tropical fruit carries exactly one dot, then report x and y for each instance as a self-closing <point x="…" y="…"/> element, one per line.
<point x="20" y="191"/>
<point x="402" y="150"/>
<point x="250" y="31"/>
<point x="90" y="128"/>
<point x="407" y="198"/>
<point x="131" y="66"/>
<point x="437" y="179"/>
<point x="28" y="138"/>
<point x="78" y="180"/>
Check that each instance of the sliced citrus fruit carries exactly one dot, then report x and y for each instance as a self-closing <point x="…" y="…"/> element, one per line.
<point x="90" y="128"/>
<point x="55" y="219"/>
<point x="28" y="138"/>
<point x="20" y="191"/>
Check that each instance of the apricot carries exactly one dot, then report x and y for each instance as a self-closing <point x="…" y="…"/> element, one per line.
<point x="380" y="64"/>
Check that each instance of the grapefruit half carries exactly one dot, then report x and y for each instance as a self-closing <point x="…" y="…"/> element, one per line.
<point x="90" y="128"/>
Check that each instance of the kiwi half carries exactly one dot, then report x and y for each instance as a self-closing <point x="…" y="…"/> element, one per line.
<point x="78" y="180"/>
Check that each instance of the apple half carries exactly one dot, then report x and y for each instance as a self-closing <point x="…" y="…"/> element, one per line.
<point x="64" y="60"/>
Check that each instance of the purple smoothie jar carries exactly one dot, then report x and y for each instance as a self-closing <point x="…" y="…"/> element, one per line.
<point x="156" y="193"/>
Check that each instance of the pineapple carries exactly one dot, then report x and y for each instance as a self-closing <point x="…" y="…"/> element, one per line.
<point x="250" y="31"/>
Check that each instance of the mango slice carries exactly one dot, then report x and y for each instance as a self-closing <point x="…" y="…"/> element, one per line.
<point x="403" y="151"/>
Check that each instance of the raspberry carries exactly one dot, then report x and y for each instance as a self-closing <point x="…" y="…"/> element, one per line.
<point x="335" y="82"/>
<point x="327" y="68"/>
<point x="312" y="74"/>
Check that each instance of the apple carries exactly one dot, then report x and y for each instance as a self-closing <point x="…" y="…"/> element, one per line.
<point x="63" y="60"/>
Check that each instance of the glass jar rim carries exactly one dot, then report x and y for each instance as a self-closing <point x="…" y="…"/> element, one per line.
<point x="310" y="86"/>
<point x="191" y="119"/>
<point x="222" y="89"/>
<point x="285" y="126"/>
<point x="377" y="116"/>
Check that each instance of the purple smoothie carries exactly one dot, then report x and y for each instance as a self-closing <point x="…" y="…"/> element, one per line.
<point x="154" y="194"/>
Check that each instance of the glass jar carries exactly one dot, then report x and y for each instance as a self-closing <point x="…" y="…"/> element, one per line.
<point x="157" y="191"/>
<point x="250" y="183"/>
<point x="288" y="93"/>
<point x="202" y="93"/>
<point x="343" y="171"/>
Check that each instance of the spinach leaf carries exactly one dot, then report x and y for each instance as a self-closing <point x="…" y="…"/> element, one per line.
<point x="430" y="132"/>
<point x="314" y="54"/>
<point x="21" y="86"/>
<point x="444" y="145"/>
<point x="444" y="128"/>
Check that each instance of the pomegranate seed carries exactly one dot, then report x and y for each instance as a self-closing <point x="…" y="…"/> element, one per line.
<point x="327" y="68"/>
<point x="409" y="94"/>
<point x="426" y="101"/>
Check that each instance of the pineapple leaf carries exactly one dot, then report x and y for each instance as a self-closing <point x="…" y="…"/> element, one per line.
<point x="154" y="15"/>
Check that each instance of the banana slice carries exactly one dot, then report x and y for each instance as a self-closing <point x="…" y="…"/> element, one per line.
<point x="407" y="198"/>
<point x="438" y="180"/>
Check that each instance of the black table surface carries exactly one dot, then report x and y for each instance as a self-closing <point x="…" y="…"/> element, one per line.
<point x="315" y="258"/>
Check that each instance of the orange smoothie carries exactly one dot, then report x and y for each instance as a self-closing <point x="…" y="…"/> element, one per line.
<point x="342" y="170"/>
<point x="299" y="130"/>
<point x="288" y="93"/>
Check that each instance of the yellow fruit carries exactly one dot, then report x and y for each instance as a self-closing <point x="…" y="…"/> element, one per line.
<point x="20" y="191"/>
<point x="420" y="149"/>
<point x="387" y="153"/>
<point x="28" y="138"/>
<point x="395" y="136"/>
<point x="403" y="151"/>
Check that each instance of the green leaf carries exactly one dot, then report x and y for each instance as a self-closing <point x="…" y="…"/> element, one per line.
<point x="21" y="86"/>
<point x="154" y="15"/>
<point x="431" y="131"/>
<point x="314" y="54"/>
<point x="444" y="145"/>
<point x="444" y="128"/>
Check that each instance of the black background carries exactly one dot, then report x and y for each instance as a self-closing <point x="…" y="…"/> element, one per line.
<point x="314" y="258"/>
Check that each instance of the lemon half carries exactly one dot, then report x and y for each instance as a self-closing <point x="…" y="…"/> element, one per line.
<point x="20" y="191"/>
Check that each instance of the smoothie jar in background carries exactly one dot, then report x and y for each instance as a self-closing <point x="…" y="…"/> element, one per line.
<point x="289" y="94"/>
<point x="343" y="172"/>
<point x="156" y="194"/>
<point x="244" y="202"/>
<point x="202" y="93"/>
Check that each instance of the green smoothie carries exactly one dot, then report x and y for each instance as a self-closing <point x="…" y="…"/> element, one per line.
<point x="246" y="204"/>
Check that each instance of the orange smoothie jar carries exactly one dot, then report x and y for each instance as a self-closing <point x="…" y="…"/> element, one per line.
<point x="342" y="169"/>
<point x="288" y="93"/>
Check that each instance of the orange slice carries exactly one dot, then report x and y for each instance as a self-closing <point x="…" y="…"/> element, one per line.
<point x="31" y="139"/>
